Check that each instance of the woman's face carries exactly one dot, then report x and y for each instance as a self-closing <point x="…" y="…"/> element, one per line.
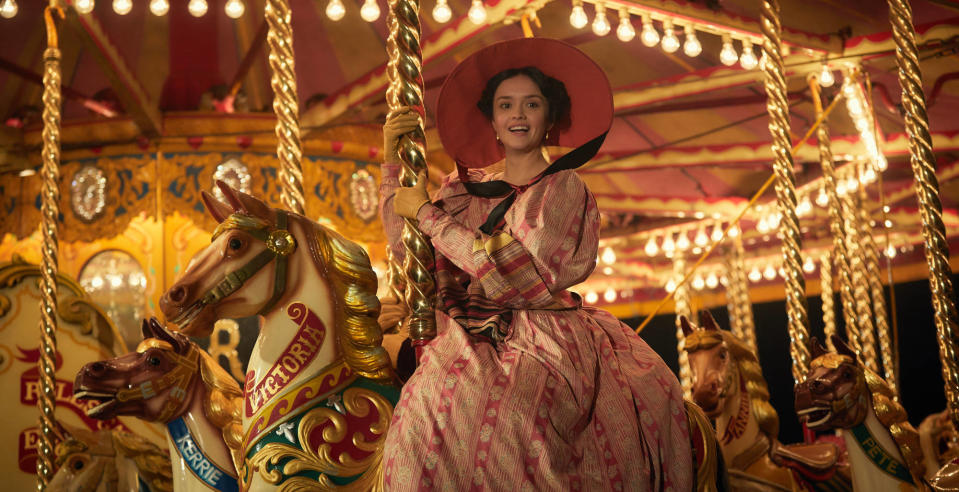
<point x="519" y="114"/>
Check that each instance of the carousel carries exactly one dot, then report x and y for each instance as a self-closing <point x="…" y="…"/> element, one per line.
<point x="776" y="193"/>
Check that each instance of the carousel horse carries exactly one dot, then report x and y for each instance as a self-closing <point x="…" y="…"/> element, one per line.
<point x="109" y="460"/>
<point x="839" y="393"/>
<point x="729" y="386"/>
<point x="320" y="389"/>
<point x="939" y="440"/>
<point x="172" y="381"/>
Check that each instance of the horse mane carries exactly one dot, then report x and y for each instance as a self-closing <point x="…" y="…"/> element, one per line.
<point x="153" y="464"/>
<point x="223" y="405"/>
<point x="893" y="416"/>
<point x="348" y="270"/>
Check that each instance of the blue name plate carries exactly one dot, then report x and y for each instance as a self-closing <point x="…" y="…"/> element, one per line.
<point x="199" y="464"/>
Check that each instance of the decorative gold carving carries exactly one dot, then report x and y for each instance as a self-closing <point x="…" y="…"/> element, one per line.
<point x="231" y="329"/>
<point x="893" y="416"/>
<point x="358" y="402"/>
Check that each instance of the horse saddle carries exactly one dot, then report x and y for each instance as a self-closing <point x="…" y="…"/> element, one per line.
<point x="809" y="459"/>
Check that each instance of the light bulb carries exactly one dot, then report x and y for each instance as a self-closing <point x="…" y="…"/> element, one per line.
<point x="625" y="32"/>
<point x="649" y="36"/>
<point x="728" y="54"/>
<point x="8" y="9"/>
<point x="234" y="8"/>
<point x="781" y="272"/>
<point x="578" y="18"/>
<point x="122" y="7"/>
<point x="809" y="265"/>
<point x="591" y="297"/>
<point x="335" y="10"/>
<point x="159" y="8"/>
<point x="370" y="11"/>
<point x="769" y="273"/>
<point x="825" y="77"/>
<point x="601" y="25"/>
<point x="717" y="233"/>
<point x="84" y="6"/>
<point x="197" y="8"/>
<point x="712" y="280"/>
<point x="670" y="42"/>
<point x="822" y="199"/>
<point x="651" y="248"/>
<point x="692" y="47"/>
<point x="682" y="242"/>
<point x="670" y="285"/>
<point x="668" y="245"/>
<point x="609" y="256"/>
<point x="442" y="12"/>
<point x="868" y="176"/>
<point x="609" y="295"/>
<point x="881" y="162"/>
<point x="607" y="270"/>
<point x="890" y="251"/>
<point x="755" y="275"/>
<point x="698" y="282"/>
<point x="733" y="231"/>
<point x="701" y="238"/>
<point x="748" y="59"/>
<point x="477" y="12"/>
<point x="841" y="186"/>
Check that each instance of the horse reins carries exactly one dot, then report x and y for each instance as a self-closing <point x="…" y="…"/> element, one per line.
<point x="179" y="379"/>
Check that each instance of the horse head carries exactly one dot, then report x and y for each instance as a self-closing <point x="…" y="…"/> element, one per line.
<point x="714" y="377"/>
<point x="155" y="383"/>
<point x="834" y="394"/>
<point x="107" y="460"/>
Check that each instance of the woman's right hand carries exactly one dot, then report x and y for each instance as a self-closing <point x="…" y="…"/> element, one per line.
<point x="398" y="123"/>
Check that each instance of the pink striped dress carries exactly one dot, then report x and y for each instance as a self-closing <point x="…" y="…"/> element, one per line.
<point x="523" y="388"/>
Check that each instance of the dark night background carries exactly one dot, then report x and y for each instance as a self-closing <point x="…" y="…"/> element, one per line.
<point x="920" y="374"/>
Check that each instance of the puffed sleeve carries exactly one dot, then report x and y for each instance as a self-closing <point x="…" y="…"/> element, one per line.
<point x="549" y="243"/>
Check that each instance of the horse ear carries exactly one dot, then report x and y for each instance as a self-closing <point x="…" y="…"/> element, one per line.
<point x="816" y="348"/>
<point x="145" y="329"/>
<point x="842" y="348"/>
<point x="254" y="206"/>
<point x="707" y="321"/>
<point x="687" y="326"/>
<point x="217" y="209"/>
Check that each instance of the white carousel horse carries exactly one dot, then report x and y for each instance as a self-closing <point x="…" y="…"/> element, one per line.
<point x="172" y="381"/>
<point x="320" y="389"/>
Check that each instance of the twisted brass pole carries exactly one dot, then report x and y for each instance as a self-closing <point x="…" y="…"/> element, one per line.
<point x="683" y="308"/>
<point x="860" y="279"/>
<point x="828" y="300"/>
<point x="778" y="108"/>
<point x="406" y="89"/>
<point x="744" y="306"/>
<point x="927" y="191"/>
<point x="836" y="227"/>
<point x="50" y="211"/>
<point x="877" y="293"/>
<point x="732" y="297"/>
<point x="283" y="80"/>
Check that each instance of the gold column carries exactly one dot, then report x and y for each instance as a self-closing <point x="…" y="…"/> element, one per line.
<point x="776" y="105"/>
<point x="285" y="105"/>
<point x="744" y="308"/>
<point x="406" y="89"/>
<point x="827" y="295"/>
<point x="860" y="279"/>
<point x="732" y="296"/>
<point x="836" y="227"/>
<point x="50" y="210"/>
<point x="876" y="291"/>
<point x="927" y="191"/>
<point x="683" y="308"/>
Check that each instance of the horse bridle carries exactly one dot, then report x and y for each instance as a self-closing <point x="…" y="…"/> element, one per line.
<point x="179" y="380"/>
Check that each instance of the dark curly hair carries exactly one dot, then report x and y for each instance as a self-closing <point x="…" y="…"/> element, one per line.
<point x="557" y="100"/>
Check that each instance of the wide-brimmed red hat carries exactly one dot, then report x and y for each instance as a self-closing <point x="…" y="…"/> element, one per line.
<point x="467" y="134"/>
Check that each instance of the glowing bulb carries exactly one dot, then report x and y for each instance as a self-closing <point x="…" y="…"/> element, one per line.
<point x="728" y="54"/>
<point x="578" y="18"/>
<point x="717" y="233"/>
<point x="781" y="272"/>
<point x="8" y="9"/>
<point x="668" y="245"/>
<point x="96" y="282"/>
<point x="701" y="238"/>
<point x="733" y="231"/>
<point x="841" y="186"/>
<point x="197" y="8"/>
<point x="769" y="273"/>
<point x="822" y="199"/>
<point x="234" y="8"/>
<point x="748" y="59"/>
<point x="609" y="256"/>
<point x="670" y="285"/>
<point x="601" y="25"/>
<point x="122" y="7"/>
<point x="825" y="77"/>
<point x="609" y="295"/>
<point x="84" y="6"/>
<point x="890" y="251"/>
<point x="442" y="12"/>
<point x="682" y="242"/>
<point x="335" y="10"/>
<point x="698" y="282"/>
<point x="868" y="176"/>
<point x="625" y="32"/>
<point x="607" y="270"/>
<point x="881" y="163"/>
<point x="692" y="47"/>
<point x="755" y="275"/>
<point x="477" y="12"/>
<point x="670" y="42"/>
<point x="370" y="11"/>
<point x="649" y="36"/>
<point x="651" y="248"/>
<point x="712" y="280"/>
<point x="159" y="8"/>
<point x="591" y="297"/>
<point x="809" y="265"/>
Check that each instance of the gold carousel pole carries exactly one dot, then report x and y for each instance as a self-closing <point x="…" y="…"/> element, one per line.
<point x="778" y="108"/>
<point x="404" y="70"/>
<point x="860" y="279"/>
<point x="50" y="209"/>
<point x="683" y="308"/>
<point x="285" y="104"/>
<point x="927" y="190"/>
<point x="739" y="284"/>
<point x="828" y="300"/>
<point x="839" y="253"/>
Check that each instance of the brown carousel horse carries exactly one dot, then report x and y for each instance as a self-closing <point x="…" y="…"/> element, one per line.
<point x="320" y="388"/>
<point x="729" y="386"/>
<point x="172" y="381"/>
<point x="839" y="393"/>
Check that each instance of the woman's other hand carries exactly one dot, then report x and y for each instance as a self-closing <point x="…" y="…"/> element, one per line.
<point x="398" y="123"/>
<point x="409" y="200"/>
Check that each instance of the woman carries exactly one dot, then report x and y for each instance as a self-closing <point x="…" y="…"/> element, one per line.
<point x="523" y="387"/>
